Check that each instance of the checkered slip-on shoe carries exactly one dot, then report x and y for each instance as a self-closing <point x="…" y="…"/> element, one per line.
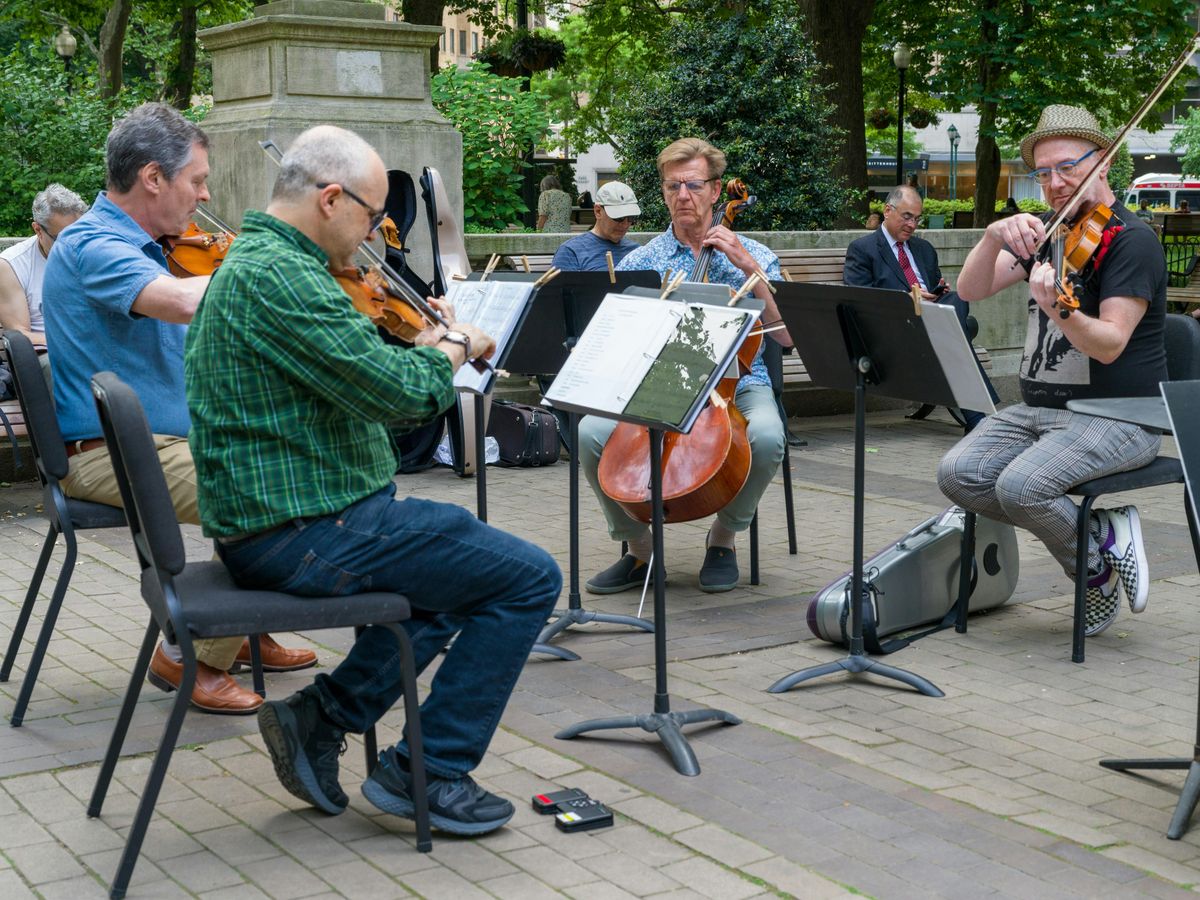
<point x="1124" y="550"/>
<point x="1102" y="604"/>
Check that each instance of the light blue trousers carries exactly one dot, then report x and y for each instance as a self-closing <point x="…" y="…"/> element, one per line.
<point x="764" y="428"/>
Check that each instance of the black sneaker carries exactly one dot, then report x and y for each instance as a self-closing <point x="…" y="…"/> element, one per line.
<point x="305" y="747"/>
<point x="458" y="805"/>
<point x="720" y="570"/>
<point x="627" y="572"/>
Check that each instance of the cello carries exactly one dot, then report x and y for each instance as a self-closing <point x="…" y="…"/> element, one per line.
<point x="704" y="469"/>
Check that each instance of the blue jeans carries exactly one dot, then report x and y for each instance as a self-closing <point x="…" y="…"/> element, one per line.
<point x="460" y="575"/>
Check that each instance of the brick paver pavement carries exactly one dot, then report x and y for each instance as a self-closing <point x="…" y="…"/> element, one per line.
<point x="840" y="786"/>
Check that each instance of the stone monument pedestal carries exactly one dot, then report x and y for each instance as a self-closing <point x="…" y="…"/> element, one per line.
<point x="300" y="63"/>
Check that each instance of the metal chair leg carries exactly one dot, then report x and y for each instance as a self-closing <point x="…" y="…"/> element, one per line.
<point x="1081" y="578"/>
<point x="121" y="727"/>
<point x="35" y="585"/>
<point x="788" y="502"/>
<point x="47" y="629"/>
<point x="256" y="669"/>
<point x="158" y="772"/>
<point x="754" y="548"/>
<point x="412" y="733"/>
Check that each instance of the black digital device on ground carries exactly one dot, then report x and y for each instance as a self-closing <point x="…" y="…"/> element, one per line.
<point x="582" y="815"/>
<point x="547" y="804"/>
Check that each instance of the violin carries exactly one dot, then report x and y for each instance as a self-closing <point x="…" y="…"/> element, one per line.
<point x="393" y="303"/>
<point x="703" y="470"/>
<point x="196" y="251"/>
<point x="1071" y="248"/>
<point x="370" y="294"/>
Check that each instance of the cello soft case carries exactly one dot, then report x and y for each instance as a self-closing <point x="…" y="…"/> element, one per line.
<point x="914" y="581"/>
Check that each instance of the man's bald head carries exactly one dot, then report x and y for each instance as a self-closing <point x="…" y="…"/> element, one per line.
<point x="324" y="154"/>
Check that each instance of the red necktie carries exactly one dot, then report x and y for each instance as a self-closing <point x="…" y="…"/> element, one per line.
<point x="910" y="274"/>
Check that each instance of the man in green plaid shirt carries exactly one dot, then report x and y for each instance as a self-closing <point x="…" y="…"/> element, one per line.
<point x="289" y="389"/>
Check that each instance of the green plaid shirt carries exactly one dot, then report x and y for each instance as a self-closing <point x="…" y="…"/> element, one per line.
<point x="289" y="387"/>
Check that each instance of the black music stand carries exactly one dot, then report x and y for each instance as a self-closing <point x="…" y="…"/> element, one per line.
<point x="562" y="309"/>
<point x="850" y="337"/>
<point x="664" y="723"/>
<point x="1182" y="416"/>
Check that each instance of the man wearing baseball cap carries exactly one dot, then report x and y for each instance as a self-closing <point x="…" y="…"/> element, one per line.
<point x="616" y="209"/>
<point x="1018" y="465"/>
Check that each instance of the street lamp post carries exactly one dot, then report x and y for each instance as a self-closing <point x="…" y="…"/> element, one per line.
<point x="902" y="57"/>
<point x="65" y="45"/>
<point x="954" y="139"/>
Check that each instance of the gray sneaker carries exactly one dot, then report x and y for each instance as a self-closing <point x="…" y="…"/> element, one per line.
<point x="456" y="805"/>
<point x="305" y="747"/>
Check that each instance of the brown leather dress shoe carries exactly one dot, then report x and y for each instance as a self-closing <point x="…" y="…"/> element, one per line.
<point x="214" y="692"/>
<point x="276" y="658"/>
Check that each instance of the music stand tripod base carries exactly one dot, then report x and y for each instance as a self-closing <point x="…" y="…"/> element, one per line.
<point x="857" y="664"/>
<point x="575" y="614"/>
<point x="1188" y="797"/>
<point x="662" y="722"/>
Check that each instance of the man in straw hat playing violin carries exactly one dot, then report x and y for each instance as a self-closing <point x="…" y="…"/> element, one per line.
<point x="295" y="470"/>
<point x="1018" y="465"/>
<point x="691" y="171"/>
<point x="112" y="305"/>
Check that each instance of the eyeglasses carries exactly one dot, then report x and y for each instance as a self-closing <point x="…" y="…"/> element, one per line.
<point x="1064" y="169"/>
<point x="377" y="215"/>
<point x="622" y="220"/>
<point x="46" y="231"/>
<point x="907" y="217"/>
<point x="672" y="187"/>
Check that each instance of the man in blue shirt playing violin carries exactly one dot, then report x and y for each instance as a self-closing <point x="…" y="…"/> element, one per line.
<point x="691" y="171"/>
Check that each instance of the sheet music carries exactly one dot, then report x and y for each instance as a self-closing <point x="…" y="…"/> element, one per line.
<point x="648" y="358"/>
<point x="496" y="308"/>
<point x="956" y="356"/>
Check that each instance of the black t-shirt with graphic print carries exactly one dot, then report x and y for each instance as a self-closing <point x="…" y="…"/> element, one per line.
<point x="1133" y="265"/>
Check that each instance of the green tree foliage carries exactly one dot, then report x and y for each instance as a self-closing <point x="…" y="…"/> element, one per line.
<point x="1011" y="58"/>
<point x="498" y="122"/>
<point x="1188" y="139"/>
<point x="749" y="88"/>
<point x="49" y="135"/>
<point x="1120" y="173"/>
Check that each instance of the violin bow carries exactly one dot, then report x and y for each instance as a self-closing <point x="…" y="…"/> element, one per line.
<point x="1153" y="97"/>
<point x="395" y="283"/>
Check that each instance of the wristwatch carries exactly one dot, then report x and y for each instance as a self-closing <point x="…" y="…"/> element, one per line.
<point x="457" y="337"/>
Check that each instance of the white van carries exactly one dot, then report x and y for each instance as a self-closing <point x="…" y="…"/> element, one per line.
<point x="1164" y="190"/>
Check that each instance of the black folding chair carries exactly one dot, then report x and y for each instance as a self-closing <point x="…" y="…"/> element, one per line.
<point x="64" y="514"/>
<point x="773" y="357"/>
<point x="189" y="601"/>
<point x="1182" y="335"/>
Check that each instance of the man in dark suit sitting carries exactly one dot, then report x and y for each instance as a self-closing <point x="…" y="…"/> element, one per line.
<point x="894" y="257"/>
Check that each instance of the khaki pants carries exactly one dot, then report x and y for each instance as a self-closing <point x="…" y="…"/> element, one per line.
<point x="91" y="478"/>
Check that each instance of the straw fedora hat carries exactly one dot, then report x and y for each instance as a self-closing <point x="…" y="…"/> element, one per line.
<point x="1064" y="121"/>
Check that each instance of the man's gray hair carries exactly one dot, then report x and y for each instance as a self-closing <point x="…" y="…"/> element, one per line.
<point x="56" y="200"/>
<point x="324" y="153"/>
<point x="902" y="192"/>
<point x="154" y="132"/>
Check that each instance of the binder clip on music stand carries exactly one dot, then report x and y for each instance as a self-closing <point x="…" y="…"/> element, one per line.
<point x="661" y="399"/>
<point x="903" y="347"/>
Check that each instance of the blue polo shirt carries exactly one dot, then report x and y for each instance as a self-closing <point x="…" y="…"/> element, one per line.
<point x="666" y="253"/>
<point x="95" y="271"/>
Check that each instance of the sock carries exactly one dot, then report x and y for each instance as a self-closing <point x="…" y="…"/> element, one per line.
<point x="642" y="546"/>
<point x="1099" y="579"/>
<point x="172" y="651"/>
<point x="720" y="536"/>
